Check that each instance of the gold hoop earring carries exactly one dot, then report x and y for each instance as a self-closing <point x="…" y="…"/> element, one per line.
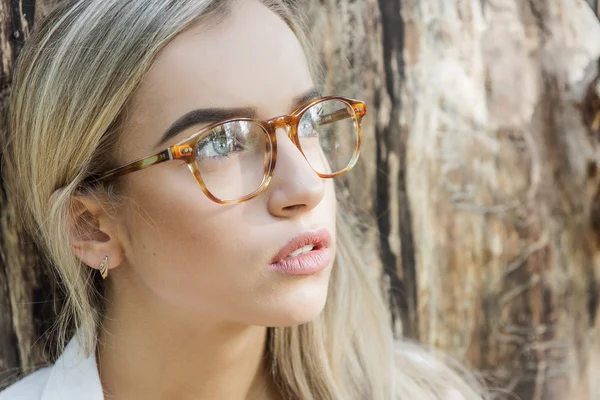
<point x="104" y="268"/>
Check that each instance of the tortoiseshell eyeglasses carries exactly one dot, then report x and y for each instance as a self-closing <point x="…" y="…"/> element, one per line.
<point x="233" y="160"/>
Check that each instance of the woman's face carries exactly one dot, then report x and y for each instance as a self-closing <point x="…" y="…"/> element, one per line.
<point x="186" y="252"/>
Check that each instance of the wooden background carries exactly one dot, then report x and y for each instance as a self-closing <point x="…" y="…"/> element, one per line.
<point x="478" y="192"/>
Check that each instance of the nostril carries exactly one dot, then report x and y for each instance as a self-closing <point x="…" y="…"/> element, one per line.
<point x="295" y="207"/>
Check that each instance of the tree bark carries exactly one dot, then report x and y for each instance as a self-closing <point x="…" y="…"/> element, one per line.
<point x="478" y="190"/>
<point x="483" y="176"/>
<point x="500" y="105"/>
<point x="16" y="332"/>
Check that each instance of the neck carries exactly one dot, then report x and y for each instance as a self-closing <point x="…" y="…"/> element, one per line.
<point x="152" y="353"/>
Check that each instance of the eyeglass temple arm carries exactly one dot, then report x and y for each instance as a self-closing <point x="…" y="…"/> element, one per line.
<point x="340" y="115"/>
<point x="171" y="153"/>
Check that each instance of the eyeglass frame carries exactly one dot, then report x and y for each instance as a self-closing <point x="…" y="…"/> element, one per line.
<point x="185" y="149"/>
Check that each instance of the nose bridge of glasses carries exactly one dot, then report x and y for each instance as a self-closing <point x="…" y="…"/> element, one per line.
<point x="284" y="122"/>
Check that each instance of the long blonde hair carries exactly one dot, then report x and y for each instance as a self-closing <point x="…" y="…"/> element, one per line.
<point x="73" y="81"/>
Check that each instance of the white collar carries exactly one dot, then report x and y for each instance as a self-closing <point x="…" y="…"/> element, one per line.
<point x="74" y="376"/>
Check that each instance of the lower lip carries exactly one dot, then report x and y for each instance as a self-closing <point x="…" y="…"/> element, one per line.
<point x="304" y="264"/>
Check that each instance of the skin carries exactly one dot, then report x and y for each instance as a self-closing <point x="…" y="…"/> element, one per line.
<point x="189" y="295"/>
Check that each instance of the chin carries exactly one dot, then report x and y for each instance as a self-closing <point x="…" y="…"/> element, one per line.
<point x="295" y="317"/>
<point x="298" y="307"/>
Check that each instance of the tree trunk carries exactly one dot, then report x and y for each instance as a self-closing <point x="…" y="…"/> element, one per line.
<point x="501" y="108"/>
<point x="478" y="191"/>
<point x="16" y="281"/>
<point x="482" y="165"/>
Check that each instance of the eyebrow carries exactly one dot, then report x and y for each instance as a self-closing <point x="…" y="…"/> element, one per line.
<point x="212" y="115"/>
<point x="306" y="97"/>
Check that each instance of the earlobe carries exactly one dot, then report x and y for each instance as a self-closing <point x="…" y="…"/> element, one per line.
<point x="93" y="235"/>
<point x="104" y="268"/>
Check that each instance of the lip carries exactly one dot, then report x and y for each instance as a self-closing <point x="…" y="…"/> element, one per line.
<point x="308" y="263"/>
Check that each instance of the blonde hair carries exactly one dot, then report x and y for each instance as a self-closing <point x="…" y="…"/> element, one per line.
<point x="72" y="84"/>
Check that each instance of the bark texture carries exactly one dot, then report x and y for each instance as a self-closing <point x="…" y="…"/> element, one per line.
<point x="17" y="283"/>
<point x="500" y="105"/>
<point x="478" y="192"/>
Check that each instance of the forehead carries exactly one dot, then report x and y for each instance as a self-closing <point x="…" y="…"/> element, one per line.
<point x="251" y="58"/>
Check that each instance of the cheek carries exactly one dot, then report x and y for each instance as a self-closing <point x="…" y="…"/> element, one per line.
<point x="194" y="254"/>
<point x="185" y="248"/>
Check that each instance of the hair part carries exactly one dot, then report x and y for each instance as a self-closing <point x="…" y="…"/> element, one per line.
<point x="73" y="81"/>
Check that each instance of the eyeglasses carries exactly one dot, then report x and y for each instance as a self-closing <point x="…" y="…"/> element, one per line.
<point x="234" y="160"/>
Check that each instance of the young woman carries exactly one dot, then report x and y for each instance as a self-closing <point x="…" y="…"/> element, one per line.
<point x="175" y="160"/>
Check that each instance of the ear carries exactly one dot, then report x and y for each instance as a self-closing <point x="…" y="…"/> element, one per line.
<point x="94" y="233"/>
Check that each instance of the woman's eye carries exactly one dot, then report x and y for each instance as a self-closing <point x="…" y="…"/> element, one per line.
<point x="308" y="125"/>
<point x="310" y="121"/>
<point x="222" y="144"/>
<point x="225" y="140"/>
<point x="216" y="145"/>
<point x="307" y="128"/>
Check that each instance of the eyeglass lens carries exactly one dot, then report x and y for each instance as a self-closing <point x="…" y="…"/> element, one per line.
<point x="233" y="157"/>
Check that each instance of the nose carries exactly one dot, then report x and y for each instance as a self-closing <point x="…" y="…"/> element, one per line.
<point x="295" y="188"/>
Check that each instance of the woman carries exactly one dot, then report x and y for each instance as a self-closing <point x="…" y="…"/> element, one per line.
<point x="193" y="230"/>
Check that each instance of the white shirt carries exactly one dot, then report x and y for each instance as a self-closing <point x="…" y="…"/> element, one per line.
<point x="75" y="377"/>
<point x="72" y="377"/>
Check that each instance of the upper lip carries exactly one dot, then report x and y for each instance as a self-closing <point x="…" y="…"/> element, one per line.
<point x="319" y="239"/>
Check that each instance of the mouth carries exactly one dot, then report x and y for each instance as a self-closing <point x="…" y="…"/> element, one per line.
<point x="300" y="251"/>
<point x="304" y="244"/>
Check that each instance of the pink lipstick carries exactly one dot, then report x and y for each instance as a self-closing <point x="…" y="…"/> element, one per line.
<point x="306" y="254"/>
